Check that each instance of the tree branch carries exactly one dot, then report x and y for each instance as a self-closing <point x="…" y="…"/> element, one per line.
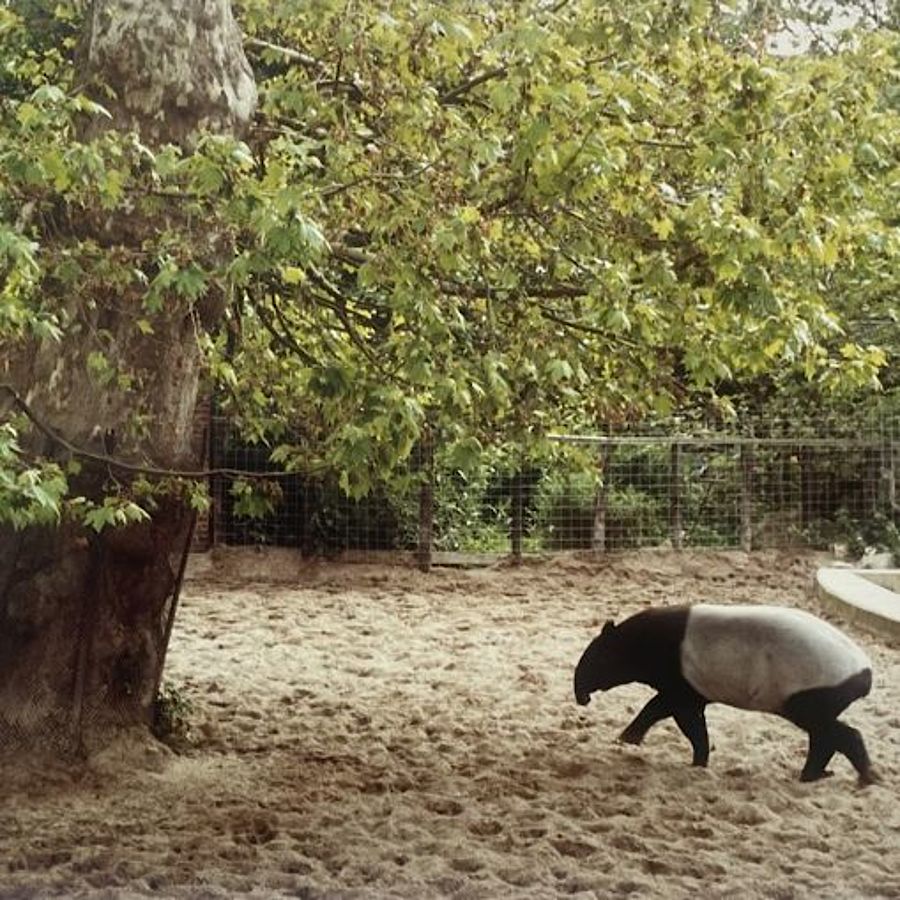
<point x="304" y="59"/>
<point x="340" y="310"/>
<point x="284" y="337"/>
<point x="559" y="291"/>
<point x="448" y="98"/>
<point x="553" y="316"/>
<point x="668" y="145"/>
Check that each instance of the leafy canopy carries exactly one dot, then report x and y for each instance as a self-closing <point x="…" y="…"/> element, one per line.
<point x="472" y="223"/>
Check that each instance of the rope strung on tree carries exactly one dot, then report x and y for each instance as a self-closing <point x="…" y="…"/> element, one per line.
<point x="111" y="461"/>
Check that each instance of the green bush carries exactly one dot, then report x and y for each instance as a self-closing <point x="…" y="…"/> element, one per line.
<point x="878" y="532"/>
<point x="466" y="517"/>
<point x="172" y="711"/>
<point x="635" y="518"/>
<point x="565" y="510"/>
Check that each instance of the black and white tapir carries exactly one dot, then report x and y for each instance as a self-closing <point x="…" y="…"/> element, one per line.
<point x="769" y="658"/>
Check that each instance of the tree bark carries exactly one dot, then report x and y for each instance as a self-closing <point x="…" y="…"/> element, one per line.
<point x="181" y="58"/>
<point x="84" y="617"/>
<point x="81" y="629"/>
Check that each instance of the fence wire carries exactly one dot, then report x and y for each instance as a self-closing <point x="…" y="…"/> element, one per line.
<point x="762" y="487"/>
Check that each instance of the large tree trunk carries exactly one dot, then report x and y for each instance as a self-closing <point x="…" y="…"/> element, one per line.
<point x="83" y="616"/>
<point x="174" y="66"/>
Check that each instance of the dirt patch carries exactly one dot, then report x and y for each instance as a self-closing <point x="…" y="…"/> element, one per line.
<point x="364" y="731"/>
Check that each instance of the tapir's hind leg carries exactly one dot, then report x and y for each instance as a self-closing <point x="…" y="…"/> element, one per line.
<point x="828" y="738"/>
<point x="816" y="712"/>
<point x="849" y="741"/>
<point x="821" y="749"/>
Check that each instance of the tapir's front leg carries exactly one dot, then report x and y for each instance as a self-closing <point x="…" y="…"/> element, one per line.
<point x="690" y="718"/>
<point x="655" y="710"/>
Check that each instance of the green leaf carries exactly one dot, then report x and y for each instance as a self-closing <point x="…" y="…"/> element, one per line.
<point x="663" y="227"/>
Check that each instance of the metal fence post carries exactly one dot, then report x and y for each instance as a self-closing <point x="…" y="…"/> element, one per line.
<point x="517" y="517"/>
<point x="601" y="501"/>
<point x="676" y="524"/>
<point x="747" y="462"/>
<point x="426" y="506"/>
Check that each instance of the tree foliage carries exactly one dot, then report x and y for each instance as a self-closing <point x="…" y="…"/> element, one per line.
<point x="470" y="223"/>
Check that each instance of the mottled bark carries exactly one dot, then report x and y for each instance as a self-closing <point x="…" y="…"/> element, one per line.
<point x="172" y="67"/>
<point x="83" y="617"/>
<point x="150" y="421"/>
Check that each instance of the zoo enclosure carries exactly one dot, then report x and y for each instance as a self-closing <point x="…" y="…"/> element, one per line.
<point x="770" y="484"/>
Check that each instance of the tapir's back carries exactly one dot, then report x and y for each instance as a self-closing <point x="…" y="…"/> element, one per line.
<point x="756" y="657"/>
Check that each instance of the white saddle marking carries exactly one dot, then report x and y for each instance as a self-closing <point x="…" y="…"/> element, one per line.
<point x="756" y="657"/>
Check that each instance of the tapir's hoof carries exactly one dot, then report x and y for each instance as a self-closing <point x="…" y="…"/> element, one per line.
<point x="816" y="776"/>
<point x="631" y="737"/>
<point x="868" y="777"/>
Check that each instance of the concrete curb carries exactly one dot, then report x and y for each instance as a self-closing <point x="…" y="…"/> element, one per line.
<point x="864" y="596"/>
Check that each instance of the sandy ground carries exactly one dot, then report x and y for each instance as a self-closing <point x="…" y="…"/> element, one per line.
<point x="365" y="731"/>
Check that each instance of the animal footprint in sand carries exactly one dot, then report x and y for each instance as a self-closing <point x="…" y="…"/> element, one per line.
<point x="444" y="806"/>
<point x="486" y="828"/>
<point x="467" y="864"/>
<point x="576" y="849"/>
<point x="571" y="768"/>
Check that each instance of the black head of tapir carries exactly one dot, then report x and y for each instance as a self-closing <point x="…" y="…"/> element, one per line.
<point x="604" y="664"/>
<point x="767" y="658"/>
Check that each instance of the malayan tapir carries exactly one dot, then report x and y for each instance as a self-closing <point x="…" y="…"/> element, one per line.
<point x="768" y="658"/>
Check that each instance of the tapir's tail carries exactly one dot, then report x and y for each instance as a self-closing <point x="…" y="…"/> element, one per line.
<point x="861" y="683"/>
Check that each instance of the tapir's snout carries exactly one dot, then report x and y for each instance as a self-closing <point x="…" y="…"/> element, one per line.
<point x="581" y="685"/>
<point x="582" y="694"/>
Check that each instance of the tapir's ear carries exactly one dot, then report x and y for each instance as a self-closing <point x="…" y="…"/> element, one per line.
<point x="608" y="628"/>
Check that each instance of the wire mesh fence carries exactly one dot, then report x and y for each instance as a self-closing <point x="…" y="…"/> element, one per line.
<point x="765" y="485"/>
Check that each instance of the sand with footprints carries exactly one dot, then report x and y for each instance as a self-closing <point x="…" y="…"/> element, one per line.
<point x="368" y="731"/>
